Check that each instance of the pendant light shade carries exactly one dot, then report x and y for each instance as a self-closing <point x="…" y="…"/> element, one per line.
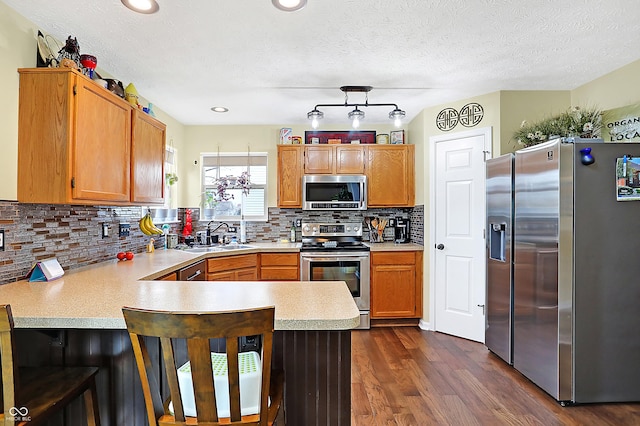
<point x="314" y="116"/>
<point x="356" y="115"/>
<point x="397" y="115"/>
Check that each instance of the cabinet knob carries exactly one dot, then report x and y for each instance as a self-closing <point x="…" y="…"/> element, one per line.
<point x="440" y="246"/>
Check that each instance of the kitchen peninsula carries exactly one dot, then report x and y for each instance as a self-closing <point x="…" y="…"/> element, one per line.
<point x="77" y="320"/>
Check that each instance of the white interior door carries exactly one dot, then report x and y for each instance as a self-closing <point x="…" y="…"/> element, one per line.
<point x="457" y="237"/>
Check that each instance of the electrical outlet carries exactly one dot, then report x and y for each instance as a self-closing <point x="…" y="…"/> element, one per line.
<point x="233" y="229"/>
<point x="1" y="239"/>
<point x="123" y="229"/>
<point x="105" y="230"/>
<point x="298" y="223"/>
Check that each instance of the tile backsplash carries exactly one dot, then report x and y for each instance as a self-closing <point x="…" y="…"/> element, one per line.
<point x="73" y="234"/>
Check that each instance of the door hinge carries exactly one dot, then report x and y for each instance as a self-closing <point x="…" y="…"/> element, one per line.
<point x="75" y="89"/>
<point x="73" y="182"/>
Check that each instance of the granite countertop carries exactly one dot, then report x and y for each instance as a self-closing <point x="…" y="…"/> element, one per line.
<point x="92" y="296"/>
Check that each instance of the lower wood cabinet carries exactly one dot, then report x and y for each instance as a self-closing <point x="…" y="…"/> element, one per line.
<point x="396" y="284"/>
<point x="279" y="266"/>
<point x="242" y="267"/>
<point x="173" y="276"/>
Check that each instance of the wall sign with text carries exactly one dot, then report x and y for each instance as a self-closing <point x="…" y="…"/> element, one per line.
<point x="470" y="115"/>
<point x="621" y="124"/>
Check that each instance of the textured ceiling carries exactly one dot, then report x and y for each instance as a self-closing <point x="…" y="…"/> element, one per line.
<point x="272" y="67"/>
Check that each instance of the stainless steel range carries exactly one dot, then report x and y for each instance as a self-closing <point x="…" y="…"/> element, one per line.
<point x="335" y="252"/>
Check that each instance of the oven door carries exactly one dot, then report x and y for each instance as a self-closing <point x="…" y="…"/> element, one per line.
<point x="352" y="268"/>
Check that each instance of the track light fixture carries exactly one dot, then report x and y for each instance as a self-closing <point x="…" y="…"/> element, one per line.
<point x="355" y="115"/>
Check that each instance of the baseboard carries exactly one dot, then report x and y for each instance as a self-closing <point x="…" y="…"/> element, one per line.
<point x="424" y="325"/>
<point x="396" y="322"/>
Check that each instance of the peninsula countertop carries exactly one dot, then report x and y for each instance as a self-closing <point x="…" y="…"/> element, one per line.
<point x="92" y="297"/>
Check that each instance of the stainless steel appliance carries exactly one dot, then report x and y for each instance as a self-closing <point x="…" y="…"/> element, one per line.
<point x="576" y="293"/>
<point x="334" y="192"/>
<point x="335" y="252"/>
<point x="499" y="236"/>
<point x="195" y="272"/>
<point x="402" y="230"/>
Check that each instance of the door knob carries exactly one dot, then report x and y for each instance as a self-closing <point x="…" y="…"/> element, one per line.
<point x="440" y="246"/>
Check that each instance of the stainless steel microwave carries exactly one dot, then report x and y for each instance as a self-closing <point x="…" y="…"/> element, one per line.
<point x="334" y="192"/>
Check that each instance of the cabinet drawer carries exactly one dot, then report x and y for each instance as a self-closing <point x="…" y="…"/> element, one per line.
<point x="221" y="264"/>
<point x="279" y="273"/>
<point x="393" y="258"/>
<point x="279" y="259"/>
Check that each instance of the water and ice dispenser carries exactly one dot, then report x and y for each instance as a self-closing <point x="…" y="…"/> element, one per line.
<point x="497" y="241"/>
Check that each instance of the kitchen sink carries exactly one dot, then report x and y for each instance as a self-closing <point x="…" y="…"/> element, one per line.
<point x="202" y="249"/>
<point x="205" y="249"/>
<point x="235" y="247"/>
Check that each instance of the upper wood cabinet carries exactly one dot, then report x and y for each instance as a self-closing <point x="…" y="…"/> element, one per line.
<point x="334" y="159"/>
<point x="75" y="143"/>
<point x="290" y="169"/>
<point x="147" y="159"/>
<point x="390" y="171"/>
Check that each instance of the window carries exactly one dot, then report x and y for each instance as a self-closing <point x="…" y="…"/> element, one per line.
<point x="252" y="206"/>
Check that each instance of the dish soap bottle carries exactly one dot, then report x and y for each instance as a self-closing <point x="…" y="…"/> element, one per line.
<point x="292" y="238"/>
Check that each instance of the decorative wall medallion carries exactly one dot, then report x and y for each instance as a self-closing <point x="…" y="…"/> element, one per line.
<point x="471" y="114"/>
<point x="447" y="119"/>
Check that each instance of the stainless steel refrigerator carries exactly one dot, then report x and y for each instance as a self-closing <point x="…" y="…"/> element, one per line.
<point x="499" y="256"/>
<point x="576" y="329"/>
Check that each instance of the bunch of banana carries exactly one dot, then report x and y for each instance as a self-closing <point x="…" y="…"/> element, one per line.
<point x="147" y="227"/>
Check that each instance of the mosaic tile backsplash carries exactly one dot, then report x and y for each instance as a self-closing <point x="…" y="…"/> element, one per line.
<point x="73" y="234"/>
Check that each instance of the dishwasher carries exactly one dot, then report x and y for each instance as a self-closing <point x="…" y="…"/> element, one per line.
<point x="194" y="272"/>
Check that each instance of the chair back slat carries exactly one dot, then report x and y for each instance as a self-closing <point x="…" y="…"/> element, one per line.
<point x="172" y="377"/>
<point x="150" y="388"/>
<point x="198" y="328"/>
<point x="7" y="352"/>
<point x="234" y="378"/>
<point x="202" y="376"/>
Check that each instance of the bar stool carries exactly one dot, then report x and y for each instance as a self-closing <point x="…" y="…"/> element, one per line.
<point x="32" y="395"/>
<point x="228" y="374"/>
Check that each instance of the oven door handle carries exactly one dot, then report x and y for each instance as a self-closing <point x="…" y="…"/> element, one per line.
<point x="331" y="258"/>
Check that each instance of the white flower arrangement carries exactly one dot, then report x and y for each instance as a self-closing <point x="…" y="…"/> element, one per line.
<point x="576" y="122"/>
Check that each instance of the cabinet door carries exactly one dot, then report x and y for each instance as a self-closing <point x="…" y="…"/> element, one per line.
<point x="318" y="159"/>
<point x="349" y="159"/>
<point x="101" y="144"/>
<point x="147" y="159"/>
<point x="290" y="176"/>
<point x="390" y="176"/>
<point x="248" y="274"/>
<point x="396" y="284"/>
<point x="173" y="276"/>
<point x="221" y="276"/>
<point x="393" y="291"/>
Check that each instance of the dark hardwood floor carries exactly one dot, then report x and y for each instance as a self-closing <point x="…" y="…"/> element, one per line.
<point x="407" y="376"/>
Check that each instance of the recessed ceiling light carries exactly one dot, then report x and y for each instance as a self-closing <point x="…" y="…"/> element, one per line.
<point x="219" y="109"/>
<point x="289" y="5"/>
<point x="142" y="6"/>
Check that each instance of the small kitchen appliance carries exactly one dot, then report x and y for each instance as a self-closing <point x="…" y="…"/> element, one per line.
<point x="402" y="230"/>
<point x="335" y="252"/>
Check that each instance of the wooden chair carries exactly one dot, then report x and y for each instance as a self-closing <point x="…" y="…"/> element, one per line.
<point x="32" y="395"/>
<point x="198" y="328"/>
